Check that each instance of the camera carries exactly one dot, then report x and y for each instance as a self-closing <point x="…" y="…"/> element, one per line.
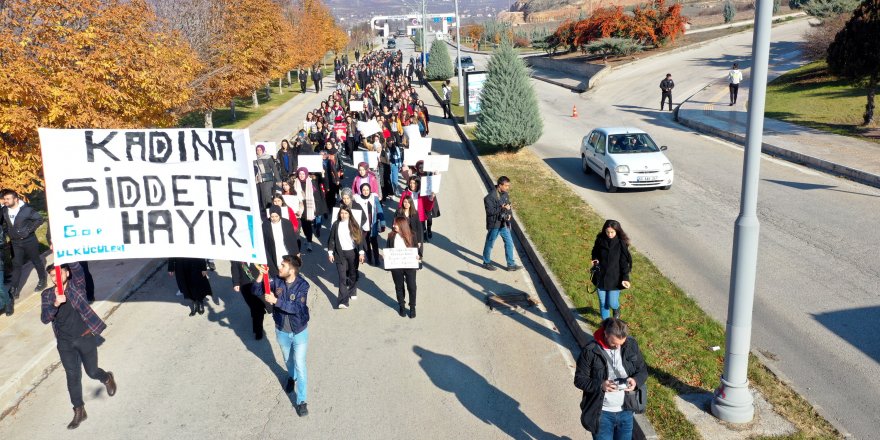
<point x="621" y="383"/>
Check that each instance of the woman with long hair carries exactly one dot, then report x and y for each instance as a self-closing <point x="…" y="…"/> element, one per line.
<point x="345" y="248"/>
<point x="310" y="196"/>
<point x="408" y="210"/>
<point x="400" y="238"/>
<point x="613" y="263"/>
<point x="424" y="205"/>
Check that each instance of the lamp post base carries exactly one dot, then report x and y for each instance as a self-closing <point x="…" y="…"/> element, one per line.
<point x="733" y="403"/>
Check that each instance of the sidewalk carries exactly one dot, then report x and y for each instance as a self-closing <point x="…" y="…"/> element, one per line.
<point x="27" y="349"/>
<point x="708" y="111"/>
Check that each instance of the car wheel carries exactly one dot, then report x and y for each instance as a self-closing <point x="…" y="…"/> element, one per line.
<point x="585" y="167"/>
<point x="609" y="184"/>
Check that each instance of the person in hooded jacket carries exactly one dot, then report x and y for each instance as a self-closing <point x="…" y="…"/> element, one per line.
<point x="611" y="255"/>
<point x="610" y="366"/>
<point x="244" y="276"/>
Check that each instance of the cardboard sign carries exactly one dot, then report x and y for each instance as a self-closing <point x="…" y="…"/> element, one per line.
<point x="421" y="142"/>
<point x="152" y="193"/>
<point x="308" y="126"/>
<point x="271" y="147"/>
<point x="369" y="128"/>
<point x="437" y="163"/>
<point x="412" y="155"/>
<point x="430" y="185"/>
<point x="412" y="132"/>
<point x="370" y="157"/>
<point x="356" y="106"/>
<point x="397" y="258"/>
<point x="312" y="162"/>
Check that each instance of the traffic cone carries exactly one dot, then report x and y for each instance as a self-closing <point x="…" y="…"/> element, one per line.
<point x="574" y="111"/>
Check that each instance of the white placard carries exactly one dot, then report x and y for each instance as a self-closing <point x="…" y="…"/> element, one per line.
<point x="151" y="193"/>
<point x="356" y="106"/>
<point x="412" y="155"/>
<point x="293" y="202"/>
<point x="421" y="142"/>
<point x="308" y="126"/>
<point x="370" y="157"/>
<point x="437" y="163"/>
<point x="271" y="147"/>
<point x="412" y="132"/>
<point x="430" y="185"/>
<point x="355" y="213"/>
<point x="401" y="258"/>
<point x="369" y="128"/>
<point x="312" y="162"/>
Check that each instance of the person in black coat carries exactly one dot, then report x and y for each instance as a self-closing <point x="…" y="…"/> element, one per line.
<point x="288" y="160"/>
<point x="612" y="260"/>
<point x="244" y="276"/>
<point x="345" y="248"/>
<point x="279" y="238"/>
<point x="606" y="409"/>
<point x="316" y="78"/>
<point x="498" y="216"/>
<point x="20" y="221"/>
<point x="400" y="238"/>
<point x="408" y="211"/>
<point x="191" y="275"/>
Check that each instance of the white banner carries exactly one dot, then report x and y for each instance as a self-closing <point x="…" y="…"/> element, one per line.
<point x="356" y="106"/>
<point x="421" y="142"/>
<point x="312" y="162"/>
<point x="152" y="193"/>
<point x="271" y="147"/>
<point x="401" y="258"/>
<point x="412" y="132"/>
<point x="370" y="157"/>
<point x="412" y="155"/>
<point x="437" y="163"/>
<point x="368" y="128"/>
<point x="430" y="185"/>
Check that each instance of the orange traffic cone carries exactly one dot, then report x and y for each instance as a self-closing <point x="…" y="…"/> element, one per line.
<point x="574" y="111"/>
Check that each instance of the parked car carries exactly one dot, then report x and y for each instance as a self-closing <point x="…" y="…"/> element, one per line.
<point x="467" y="65"/>
<point x="392" y="44"/>
<point x="626" y="157"/>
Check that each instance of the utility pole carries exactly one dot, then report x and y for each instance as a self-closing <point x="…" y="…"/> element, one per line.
<point x="458" y="56"/>
<point x="424" y="34"/>
<point x="733" y="401"/>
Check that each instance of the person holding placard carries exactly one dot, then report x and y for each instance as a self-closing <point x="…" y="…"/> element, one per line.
<point x="419" y="171"/>
<point x="77" y="329"/>
<point x="191" y="275"/>
<point x="400" y="238"/>
<point x="290" y="311"/>
<point x="312" y="200"/>
<point x="374" y="221"/>
<point x="345" y="248"/>
<point x="423" y="204"/>
<point x="407" y="210"/>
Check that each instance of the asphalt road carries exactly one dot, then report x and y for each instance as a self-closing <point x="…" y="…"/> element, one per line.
<point x="817" y="301"/>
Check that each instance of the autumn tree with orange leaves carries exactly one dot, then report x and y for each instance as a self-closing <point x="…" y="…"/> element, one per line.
<point x="83" y="63"/>
<point x="653" y="23"/>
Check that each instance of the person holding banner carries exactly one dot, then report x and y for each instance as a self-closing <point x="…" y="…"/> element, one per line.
<point x="289" y="298"/>
<point x="424" y="205"/>
<point x="374" y="221"/>
<point x="244" y="277"/>
<point x="191" y="275"/>
<point x="401" y="237"/>
<point x="345" y="248"/>
<point x="77" y="329"/>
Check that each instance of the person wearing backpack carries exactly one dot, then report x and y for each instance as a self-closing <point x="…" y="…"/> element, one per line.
<point x="613" y="375"/>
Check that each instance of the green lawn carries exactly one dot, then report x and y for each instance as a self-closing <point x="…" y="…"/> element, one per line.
<point x="674" y="333"/>
<point x="811" y="97"/>
<point x="457" y="110"/>
<point x="245" y="113"/>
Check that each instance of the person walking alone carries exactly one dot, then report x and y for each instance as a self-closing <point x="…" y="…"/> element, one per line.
<point x="289" y="298"/>
<point x="345" y="248"/>
<point x="21" y="221"/>
<point x="447" y="95"/>
<point x="498" y="216"/>
<point x="734" y="77"/>
<point x="608" y="368"/>
<point x="401" y="237"/>
<point x="613" y="263"/>
<point x="76" y="328"/>
<point x="666" y="87"/>
<point x="303" y="79"/>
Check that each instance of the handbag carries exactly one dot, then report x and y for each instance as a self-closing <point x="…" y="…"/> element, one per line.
<point x="635" y="400"/>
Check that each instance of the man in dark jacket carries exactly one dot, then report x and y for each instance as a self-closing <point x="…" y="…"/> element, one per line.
<point x="20" y="221"/>
<point x="498" y="216"/>
<point x="357" y="55"/>
<point x="610" y="368"/>
<point x="303" y="77"/>
<point x="7" y="303"/>
<point x="666" y="87"/>
<point x="316" y="78"/>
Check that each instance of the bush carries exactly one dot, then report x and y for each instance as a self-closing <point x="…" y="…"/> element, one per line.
<point x="439" y="65"/>
<point x="729" y="11"/>
<point x="509" y="116"/>
<point x="519" y="41"/>
<point x="819" y="37"/>
<point x="823" y="9"/>
<point x="614" y="47"/>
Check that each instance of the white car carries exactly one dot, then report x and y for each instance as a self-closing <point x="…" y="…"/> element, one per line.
<point x="626" y="158"/>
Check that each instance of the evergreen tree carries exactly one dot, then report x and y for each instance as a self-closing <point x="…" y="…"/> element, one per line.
<point x="729" y="11"/>
<point x="439" y="65"/>
<point x="855" y="54"/>
<point x="509" y="115"/>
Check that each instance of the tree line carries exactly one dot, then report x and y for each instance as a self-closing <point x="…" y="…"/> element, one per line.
<point x="141" y="63"/>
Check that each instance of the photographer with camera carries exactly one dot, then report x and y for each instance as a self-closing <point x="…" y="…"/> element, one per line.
<point x="499" y="213"/>
<point x="612" y="264"/>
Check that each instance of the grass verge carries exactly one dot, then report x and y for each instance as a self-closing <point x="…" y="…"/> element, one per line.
<point x="457" y="110"/>
<point x="245" y="113"/>
<point x="812" y="97"/>
<point x="674" y="333"/>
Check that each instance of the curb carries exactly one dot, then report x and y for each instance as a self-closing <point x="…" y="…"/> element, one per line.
<point x="41" y="365"/>
<point x="642" y="428"/>
<point x="558" y="84"/>
<point x="815" y="163"/>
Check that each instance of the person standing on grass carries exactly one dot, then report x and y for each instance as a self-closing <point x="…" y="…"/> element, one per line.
<point x="345" y="248"/>
<point x="401" y="238"/>
<point x="666" y="87"/>
<point x="447" y="95"/>
<point x="610" y="366"/>
<point x="734" y="77"/>
<point x="303" y="79"/>
<point x="499" y="213"/>
<point x="76" y="328"/>
<point x="612" y="260"/>
<point x="289" y="298"/>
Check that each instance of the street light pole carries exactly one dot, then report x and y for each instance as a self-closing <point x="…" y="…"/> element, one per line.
<point x="733" y="402"/>
<point x="424" y="32"/>
<point x="458" y="56"/>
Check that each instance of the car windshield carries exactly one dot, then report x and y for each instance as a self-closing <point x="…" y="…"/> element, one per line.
<point x="631" y="143"/>
<point x="466" y="60"/>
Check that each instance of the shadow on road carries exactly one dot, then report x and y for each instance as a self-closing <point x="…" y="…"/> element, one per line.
<point x="485" y="401"/>
<point x="853" y="325"/>
<point x="812" y="186"/>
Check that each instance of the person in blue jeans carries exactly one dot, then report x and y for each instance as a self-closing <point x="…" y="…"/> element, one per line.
<point x="289" y="296"/>
<point x="611" y="255"/>
<point x="608" y="367"/>
<point x="498" y="216"/>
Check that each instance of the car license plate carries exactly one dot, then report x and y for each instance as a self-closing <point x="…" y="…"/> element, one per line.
<point x="647" y="178"/>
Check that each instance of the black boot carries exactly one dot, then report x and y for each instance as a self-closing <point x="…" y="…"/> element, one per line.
<point x="412" y="312"/>
<point x="40" y="285"/>
<point x="192" y="308"/>
<point x="79" y="416"/>
<point x="401" y="310"/>
<point x="201" y="307"/>
<point x="10" y="305"/>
